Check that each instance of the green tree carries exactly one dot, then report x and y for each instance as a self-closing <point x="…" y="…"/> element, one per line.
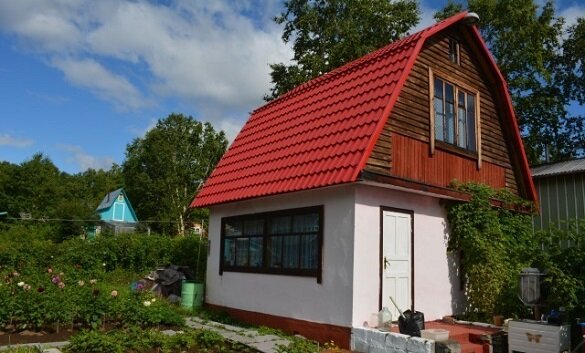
<point x="542" y="72"/>
<point x="329" y="33"/>
<point x="165" y="168"/>
<point x="35" y="187"/>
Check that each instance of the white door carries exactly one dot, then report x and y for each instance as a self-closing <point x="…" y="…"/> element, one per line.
<point x="396" y="260"/>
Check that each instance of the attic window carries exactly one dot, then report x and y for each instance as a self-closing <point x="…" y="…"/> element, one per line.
<point x="120" y="198"/>
<point x="454" y="51"/>
<point x="454" y="116"/>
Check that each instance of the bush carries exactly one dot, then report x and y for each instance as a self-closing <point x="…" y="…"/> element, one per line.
<point x="46" y="284"/>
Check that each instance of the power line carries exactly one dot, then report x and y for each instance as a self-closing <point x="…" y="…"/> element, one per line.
<point x="77" y="220"/>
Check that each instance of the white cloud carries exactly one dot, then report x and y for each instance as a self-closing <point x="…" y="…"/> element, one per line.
<point x="11" y="141"/>
<point x="572" y="13"/>
<point x="84" y="160"/>
<point x="87" y="73"/>
<point x="213" y="55"/>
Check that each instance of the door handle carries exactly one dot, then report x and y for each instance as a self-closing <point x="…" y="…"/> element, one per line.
<point x="386" y="263"/>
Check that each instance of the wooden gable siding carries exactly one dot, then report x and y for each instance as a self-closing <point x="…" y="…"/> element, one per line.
<point x="410" y="118"/>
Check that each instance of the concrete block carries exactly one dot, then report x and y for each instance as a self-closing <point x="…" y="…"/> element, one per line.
<point x="397" y="340"/>
<point x="360" y="345"/>
<point x="417" y="345"/>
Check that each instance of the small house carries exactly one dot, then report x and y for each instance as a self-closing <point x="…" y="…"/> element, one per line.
<point x="561" y="193"/>
<point x="331" y="198"/>
<point x="116" y="213"/>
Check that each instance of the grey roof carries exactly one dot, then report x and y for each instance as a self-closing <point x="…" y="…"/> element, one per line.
<point x="568" y="167"/>
<point x="109" y="199"/>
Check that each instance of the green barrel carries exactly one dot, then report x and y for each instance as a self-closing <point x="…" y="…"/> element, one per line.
<point x="191" y="294"/>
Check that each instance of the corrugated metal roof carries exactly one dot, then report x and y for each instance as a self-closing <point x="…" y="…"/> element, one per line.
<point x="567" y="167"/>
<point x="109" y="199"/>
<point x="322" y="132"/>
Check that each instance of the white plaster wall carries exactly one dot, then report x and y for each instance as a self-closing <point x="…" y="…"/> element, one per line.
<point x="436" y="285"/>
<point x="289" y="296"/>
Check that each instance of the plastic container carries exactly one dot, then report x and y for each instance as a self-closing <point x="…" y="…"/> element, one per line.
<point x="436" y="334"/>
<point x="384" y="320"/>
<point x="191" y="294"/>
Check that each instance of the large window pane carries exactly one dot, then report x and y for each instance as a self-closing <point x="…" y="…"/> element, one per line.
<point x="280" y="225"/>
<point x="233" y="228"/>
<point x="309" y="251"/>
<point x="256" y="252"/>
<point x="449" y="114"/>
<point x="471" y="140"/>
<point x="229" y="252"/>
<point x="254" y="227"/>
<point x="290" y="251"/>
<point x="242" y="246"/>
<point x="275" y="252"/>
<point x="306" y="223"/>
<point x="461" y="121"/>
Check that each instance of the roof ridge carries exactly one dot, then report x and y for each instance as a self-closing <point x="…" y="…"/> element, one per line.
<point x="356" y="62"/>
<point x="319" y="80"/>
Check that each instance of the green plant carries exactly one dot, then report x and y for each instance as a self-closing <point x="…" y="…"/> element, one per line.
<point x="94" y="342"/>
<point x="494" y="241"/>
<point x="298" y="345"/>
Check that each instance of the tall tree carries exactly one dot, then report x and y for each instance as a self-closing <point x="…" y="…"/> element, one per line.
<point x="165" y="168"/>
<point x="35" y="187"/>
<point x="329" y="33"/>
<point x="541" y="71"/>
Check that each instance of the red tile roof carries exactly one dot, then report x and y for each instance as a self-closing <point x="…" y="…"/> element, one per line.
<point x="320" y="133"/>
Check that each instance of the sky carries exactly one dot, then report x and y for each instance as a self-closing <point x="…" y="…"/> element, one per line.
<point x="81" y="79"/>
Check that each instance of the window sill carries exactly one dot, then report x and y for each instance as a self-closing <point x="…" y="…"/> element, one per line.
<point x="456" y="150"/>
<point x="279" y="272"/>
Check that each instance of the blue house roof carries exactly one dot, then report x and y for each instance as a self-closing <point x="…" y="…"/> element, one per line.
<point x="104" y="208"/>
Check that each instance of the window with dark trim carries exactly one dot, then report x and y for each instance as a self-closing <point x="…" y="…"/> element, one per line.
<point x="285" y="242"/>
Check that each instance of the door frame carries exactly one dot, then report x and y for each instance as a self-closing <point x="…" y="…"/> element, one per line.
<point x="381" y="252"/>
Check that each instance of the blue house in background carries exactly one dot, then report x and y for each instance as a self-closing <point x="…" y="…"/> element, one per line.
<point x="116" y="213"/>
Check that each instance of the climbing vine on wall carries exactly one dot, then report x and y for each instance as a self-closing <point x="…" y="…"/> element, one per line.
<point x="495" y="241"/>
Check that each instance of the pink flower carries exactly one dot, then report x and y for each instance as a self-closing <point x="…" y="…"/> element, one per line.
<point x="50" y="270"/>
<point x="55" y="279"/>
<point x="114" y="293"/>
<point x="61" y="285"/>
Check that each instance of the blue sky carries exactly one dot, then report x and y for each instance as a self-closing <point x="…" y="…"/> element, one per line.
<point x="80" y="79"/>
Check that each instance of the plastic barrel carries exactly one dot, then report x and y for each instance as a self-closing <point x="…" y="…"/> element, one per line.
<point x="191" y="294"/>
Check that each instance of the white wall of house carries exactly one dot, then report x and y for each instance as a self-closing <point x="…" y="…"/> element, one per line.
<point x="436" y="284"/>
<point x="289" y="296"/>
